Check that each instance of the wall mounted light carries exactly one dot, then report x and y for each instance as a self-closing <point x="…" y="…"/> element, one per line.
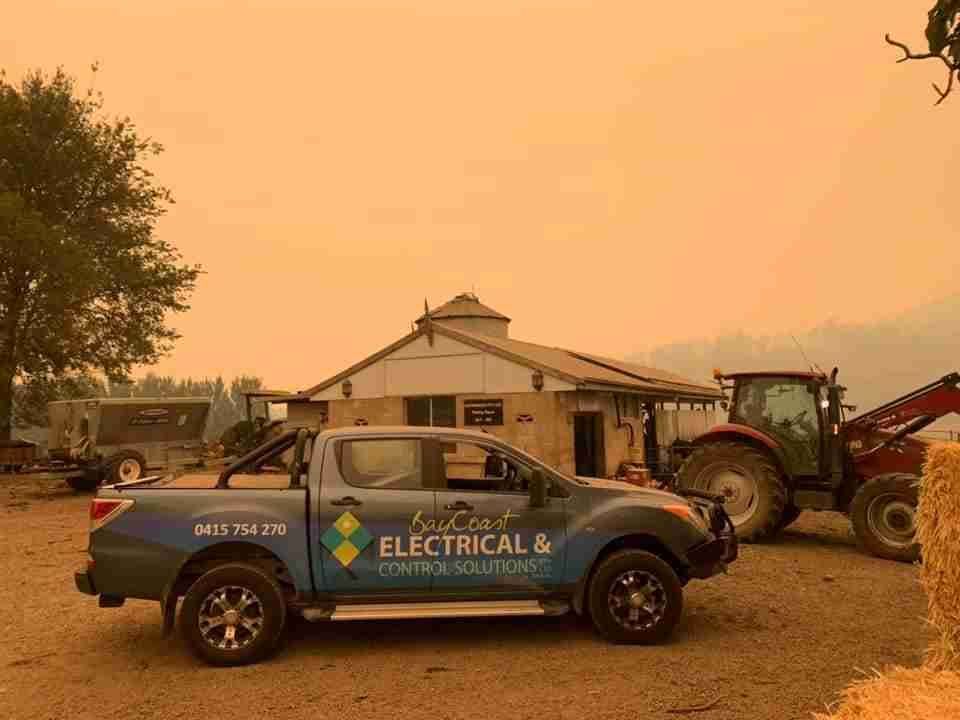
<point x="537" y="380"/>
<point x="347" y="388"/>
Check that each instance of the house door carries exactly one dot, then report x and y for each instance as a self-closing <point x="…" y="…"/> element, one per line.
<point x="589" y="454"/>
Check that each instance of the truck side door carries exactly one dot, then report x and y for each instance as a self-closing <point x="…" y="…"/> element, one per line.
<point x="372" y="489"/>
<point x="492" y="539"/>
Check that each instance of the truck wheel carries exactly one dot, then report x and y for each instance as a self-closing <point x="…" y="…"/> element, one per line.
<point x="635" y="597"/>
<point x="233" y="615"/>
<point x="125" y="466"/>
<point x="790" y="513"/>
<point x="747" y="478"/>
<point x="884" y="516"/>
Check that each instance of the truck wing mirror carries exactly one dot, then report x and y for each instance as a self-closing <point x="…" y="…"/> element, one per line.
<point x="538" y="489"/>
<point x="297" y="466"/>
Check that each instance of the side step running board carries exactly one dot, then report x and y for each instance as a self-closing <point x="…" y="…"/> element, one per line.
<point x="410" y="611"/>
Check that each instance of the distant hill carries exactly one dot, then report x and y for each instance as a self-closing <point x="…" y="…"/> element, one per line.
<point x="877" y="361"/>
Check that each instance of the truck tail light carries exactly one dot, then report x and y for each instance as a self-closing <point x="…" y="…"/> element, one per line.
<point x="105" y="510"/>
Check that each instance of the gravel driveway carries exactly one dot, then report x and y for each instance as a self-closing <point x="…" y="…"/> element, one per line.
<point x="776" y="639"/>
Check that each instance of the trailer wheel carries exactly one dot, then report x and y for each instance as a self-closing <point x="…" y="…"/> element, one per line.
<point x="884" y="516"/>
<point x="234" y="614"/>
<point x="747" y="478"/>
<point x="125" y="466"/>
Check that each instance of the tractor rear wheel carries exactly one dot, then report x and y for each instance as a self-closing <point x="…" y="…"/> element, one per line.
<point x="747" y="478"/>
<point x="884" y="516"/>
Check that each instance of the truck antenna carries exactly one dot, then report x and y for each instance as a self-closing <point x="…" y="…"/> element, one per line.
<point x="812" y="365"/>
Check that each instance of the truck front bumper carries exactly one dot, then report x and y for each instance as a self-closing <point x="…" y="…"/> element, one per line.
<point x="84" y="582"/>
<point x="712" y="557"/>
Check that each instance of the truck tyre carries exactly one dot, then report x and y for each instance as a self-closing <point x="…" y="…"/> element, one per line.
<point x="790" y="513"/>
<point x="124" y="466"/>
<point x="234" y="614"/>
<point x="747" y="478"/>
<point x="884" y="516"/>
<point x="635" y="598"/>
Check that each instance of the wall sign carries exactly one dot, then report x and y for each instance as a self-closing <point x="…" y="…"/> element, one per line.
<point x="482" y="412"/>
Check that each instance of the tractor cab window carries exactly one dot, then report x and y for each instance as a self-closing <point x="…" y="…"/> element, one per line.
<point x="788" y="409"/>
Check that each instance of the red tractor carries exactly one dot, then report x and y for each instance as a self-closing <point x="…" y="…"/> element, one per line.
<point x="788" y="446"/>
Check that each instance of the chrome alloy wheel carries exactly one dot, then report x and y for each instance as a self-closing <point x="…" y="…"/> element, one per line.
<point x="230" y="618"/>
<point x="637" y="600"/>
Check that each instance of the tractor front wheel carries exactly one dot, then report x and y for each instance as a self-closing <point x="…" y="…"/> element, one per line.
<point x="747" y="478"/>
<point x="884" y="516"/>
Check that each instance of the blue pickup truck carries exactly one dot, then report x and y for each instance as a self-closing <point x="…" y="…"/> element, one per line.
<point x="378" y="523"/>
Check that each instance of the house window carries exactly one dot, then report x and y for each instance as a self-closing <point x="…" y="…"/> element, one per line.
<point x="432" y="411"/>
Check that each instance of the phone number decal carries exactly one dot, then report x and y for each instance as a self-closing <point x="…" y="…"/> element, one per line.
<point x="241" y="529"/>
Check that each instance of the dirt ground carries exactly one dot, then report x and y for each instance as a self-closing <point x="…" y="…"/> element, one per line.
<point x="777" y="638"/>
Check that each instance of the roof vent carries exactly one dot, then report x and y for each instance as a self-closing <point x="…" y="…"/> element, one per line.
<point x="466" y="312"/>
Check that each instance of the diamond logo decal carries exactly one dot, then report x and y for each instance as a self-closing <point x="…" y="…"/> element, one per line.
<point x="346" y="539"/>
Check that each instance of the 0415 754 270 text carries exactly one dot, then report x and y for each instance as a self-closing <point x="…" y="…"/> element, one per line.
<point x="240" y="529"/>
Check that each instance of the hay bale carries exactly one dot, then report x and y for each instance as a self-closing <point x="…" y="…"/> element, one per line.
<point x="901" y="694"/>
<point x="932" y="691"/>
<point x="938" y="532"/>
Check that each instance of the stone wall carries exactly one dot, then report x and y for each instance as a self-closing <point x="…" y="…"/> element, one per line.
<point x="373" y="411"/>
<point x="540" y="423"/>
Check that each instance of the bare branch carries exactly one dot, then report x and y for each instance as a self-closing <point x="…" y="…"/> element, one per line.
<point x="952" y="67"/>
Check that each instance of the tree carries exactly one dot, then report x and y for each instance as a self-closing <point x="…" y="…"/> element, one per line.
<point x="943" y="42"/>
<point x="85" y="284"/>
<point x="30" y="399"/>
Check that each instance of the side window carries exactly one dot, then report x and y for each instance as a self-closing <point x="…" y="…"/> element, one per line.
<point x="469" y="466"/>
<point x="388" y="463"/>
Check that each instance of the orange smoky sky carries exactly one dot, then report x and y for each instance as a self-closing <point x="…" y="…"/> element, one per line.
<point x="612" y="175"/>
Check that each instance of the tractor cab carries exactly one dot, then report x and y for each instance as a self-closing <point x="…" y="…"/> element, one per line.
<point x="790" y="408"/>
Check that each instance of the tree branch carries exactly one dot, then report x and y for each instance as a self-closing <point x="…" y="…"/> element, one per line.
<point x="952" y="67"/>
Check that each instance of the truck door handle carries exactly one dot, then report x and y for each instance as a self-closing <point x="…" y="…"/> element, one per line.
<point x="458" y="505"/>
<point x="348" y="500"/>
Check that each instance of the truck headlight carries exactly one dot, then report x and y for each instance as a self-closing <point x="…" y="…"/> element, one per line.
<point x="688" y="513"/>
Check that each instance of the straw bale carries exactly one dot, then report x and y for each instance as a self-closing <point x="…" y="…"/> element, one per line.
<point x="901" y="694"/>
<point x="939" y="535"/>
<point x="931" y="692"/>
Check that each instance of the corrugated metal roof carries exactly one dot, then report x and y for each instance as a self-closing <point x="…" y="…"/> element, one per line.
<point x="586" y="368"/>
<point x="575" y="368"/>
<point x="645" y="373"/>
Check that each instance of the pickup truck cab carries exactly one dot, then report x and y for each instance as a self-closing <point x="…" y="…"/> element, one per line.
<point x="406" y="522"/>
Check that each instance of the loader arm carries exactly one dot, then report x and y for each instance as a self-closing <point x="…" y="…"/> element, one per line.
<point x="910" y="413"/>
<point x="913" y="411"/>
